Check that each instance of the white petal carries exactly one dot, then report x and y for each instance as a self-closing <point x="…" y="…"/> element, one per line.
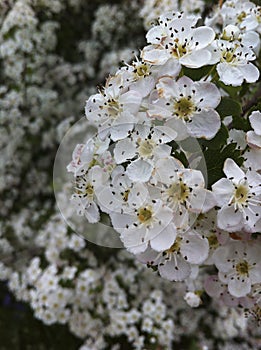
<point x="204" y="36"/>
<point x="139" y="170"/>
<point x="223" y="190"/>
<point x="250" y="72"/>
<point x="173" y="272"/>
<point x="213" y="286"/>
<point x="154" y="56"/>
<point x="195" y="248"/>
<point x="121" y="129"/>
<point x="180" y="127"/>
<point x="239" y="286"/>
<point x="164" y="239"/>
<point x="209" y="93"/>
<point x="229" y="74"/>
<point x="92" y="213"/>
<point x="124" y="150"/>
<point x="204" y="124"/>
<point x="120" y="221"/>
<point x="196" y="59"/>
<point x="232" y="170"/>
<point x="133" y="240"/>
<point x="229" y="220"/>
<point x="255" y="121"/>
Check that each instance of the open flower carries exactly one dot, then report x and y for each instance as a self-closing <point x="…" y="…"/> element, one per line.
<point x="188" y="106"/>
<point x="175" y="38"/>
<point x="239" y="266"/>
<point x="239" y="196"/>
<point x="114" y="110"/>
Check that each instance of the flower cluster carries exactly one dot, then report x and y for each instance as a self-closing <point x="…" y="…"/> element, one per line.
<point x="143" y="170"/>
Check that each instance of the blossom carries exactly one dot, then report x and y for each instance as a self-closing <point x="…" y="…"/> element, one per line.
<point x="238" y="197"/>
<point x="239" y="266"/>
<point x="233" y="62"/>
<point x="175" y="38"/>
<point x="175" y="262"/>
<point x="113" y="110"/>
<point x="146" y="145"/>
<point x="188" y="107"/>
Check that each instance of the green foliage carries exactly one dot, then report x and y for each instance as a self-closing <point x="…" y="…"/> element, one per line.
<point x="198" y="73"/>
<point x="229" y="107"/>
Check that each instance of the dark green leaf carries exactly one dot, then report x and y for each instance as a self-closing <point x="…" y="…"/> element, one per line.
<point x="228" y="107"/>
<point x="197" y="74"/>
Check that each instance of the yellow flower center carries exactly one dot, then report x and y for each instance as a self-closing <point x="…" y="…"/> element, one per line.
<point x="178" y="191"/>
<point x="146" y="148"/>
<point x="183" y="108"/>
<point x="241" y="194"/>
<point x="242" y="268"/>
<point x="144" y="215"/>
<point x="178" y="50"/>
<point x="142" y="70"/>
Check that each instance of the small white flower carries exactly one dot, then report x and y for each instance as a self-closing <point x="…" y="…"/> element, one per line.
<point x="114" y="110"/>
<point x="192" y="299"/>
<point x="239" y="196"/>
<point x="233" y="62"/>
<point x="188" y="107"/>
<point x="176" y="39"/>
<point x="239" y="266"/>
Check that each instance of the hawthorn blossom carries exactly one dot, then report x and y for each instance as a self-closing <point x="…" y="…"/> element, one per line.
<point x="146" y="145"/>
<point x="188" y="107"/>
<point x="253" y="137"/>
<point x="239" y="198"/>
<point x="175" y="262"/>
<point x="176" y="38"/>
<point x="149" y="223"/>
<point x="114" y="109"/>
<point x="84" y="196"/>
<point x="233" y="62"/>
<point x="239" y="266"/>
<point x="181" y="189"/>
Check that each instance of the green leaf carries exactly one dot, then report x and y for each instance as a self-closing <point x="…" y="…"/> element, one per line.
<point x="228" y="107"/>
<point x="233" y="91"/>
<point x="241" y="123"/>
<point x="218" y="141"/>
<point x="215" y="161"/>
<point x="198" y="73"/>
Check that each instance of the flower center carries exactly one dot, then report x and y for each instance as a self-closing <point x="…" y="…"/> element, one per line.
<point x="213" y="241"/>
<point x="228" y="56"/>
<point x="242" y="268"/>
<point x="146" y="148"/>
<point x="241" y="17"/>
<point x="125" y="195"/>
<point x="183" y="108"/>
<point x="178" y="50"/>
<point x="114" y="108"/>
<point x="241" y="194"/>
<point x="144" y="215"/>
<point x="175" y="247"/>
<point x="142" y="70"/>
<point x="89" y="191"/>
<point x="178" y="192"/>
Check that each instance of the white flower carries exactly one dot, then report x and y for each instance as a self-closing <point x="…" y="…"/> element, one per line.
<point x="181" y="189"/>
<point x="239" y="196"/>
<point x="174" y="263"/>
<point x="188" y="107"/>
<point x="177" y="39"/>
<point x="239" y="266"/>
<point x="149" y="223"/>
<point x="253" y="137"/>
<point x="85" y="194"/>
<point x="145" y="144"/>
<point x="233" y="62"/>
<point x="114" y="110"/>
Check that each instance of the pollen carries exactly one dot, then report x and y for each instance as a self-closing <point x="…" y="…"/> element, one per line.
<point x="178" y="192"/>
<point x="144" y="215"/>
<point x="241" y="194"/>
<point x="146" y="148"/>
<point x="184" y="108"/>
<point x="242" y="268"/>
